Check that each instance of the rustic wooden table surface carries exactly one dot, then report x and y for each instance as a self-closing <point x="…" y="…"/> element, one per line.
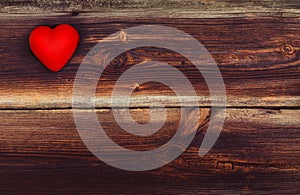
<point x="256" y="45"/>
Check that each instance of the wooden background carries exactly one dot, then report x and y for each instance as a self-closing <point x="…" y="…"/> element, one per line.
<point x="256" y="45"/>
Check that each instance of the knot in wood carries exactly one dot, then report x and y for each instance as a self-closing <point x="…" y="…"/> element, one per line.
<point x="136" y="87"/>
<point x="123" y="36"/>
<point x="117" y="63"/>
<point x="287" y="49"/>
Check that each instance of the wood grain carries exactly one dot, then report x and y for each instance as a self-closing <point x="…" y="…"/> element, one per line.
<point x="257" y="152"/>
<point x="256" y="45"/>
<point x="148" y="8"/>
<point x="258" y="58"/>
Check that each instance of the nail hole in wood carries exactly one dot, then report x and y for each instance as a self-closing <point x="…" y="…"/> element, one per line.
<point x="75" y="13"/>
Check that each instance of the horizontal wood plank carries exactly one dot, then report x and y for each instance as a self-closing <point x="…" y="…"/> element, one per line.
<point x="258" y="58"/>
<point x="148" y="8"/>
<point x="257" y="152"/>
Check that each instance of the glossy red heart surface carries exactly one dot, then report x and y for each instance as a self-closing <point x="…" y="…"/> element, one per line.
<point x="54" y="47"/>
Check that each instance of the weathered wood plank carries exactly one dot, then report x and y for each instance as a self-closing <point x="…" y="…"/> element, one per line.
<point x="257" y="152"/>
<point x="158" y="8"/>
<point x="256" y="46"/>
<point x="258" y="58"/>
<point x="148" y="3"/>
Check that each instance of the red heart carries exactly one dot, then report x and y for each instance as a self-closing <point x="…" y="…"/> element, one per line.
<point x="54" y="47"/>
